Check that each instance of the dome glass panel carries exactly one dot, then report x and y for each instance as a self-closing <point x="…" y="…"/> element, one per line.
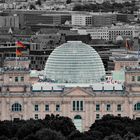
<point x="74" y="62"/>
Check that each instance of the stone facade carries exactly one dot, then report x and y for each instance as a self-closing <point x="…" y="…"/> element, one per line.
<point x="82" y="104"/>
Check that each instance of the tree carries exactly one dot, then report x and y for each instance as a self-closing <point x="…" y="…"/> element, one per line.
<point x="32" y="7"/>
<point x="38" y="2"/>
<point x="96" y="135"/>
<point x="3" y="138"/>
<point x="30" y="127"/>
<point x="129" y="136"/>
<point x="30" y="137"/>
<point x="76" y="135"/>
<point x="59" y="123"/>
<point x="113" y="137"/>
<point x="68" y="1"/>
<point x="47" y="134"/>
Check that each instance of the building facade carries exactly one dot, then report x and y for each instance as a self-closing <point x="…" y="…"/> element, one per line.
<point x="93" y="19"/>
<point x="95" y="33"/>
<point x="81" y="19"/>
<point x="23" y="96"/>
<point x="9" y="21"/>
<point x="125" y="32"/>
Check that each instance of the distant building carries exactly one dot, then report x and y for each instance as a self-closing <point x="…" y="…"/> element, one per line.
<point x="82" y="20"/>
<point x="9" y="21"/>
<point x="50" y="18"/>
<point x="93" y="19"/>
<point x="121" y="63"/>
<point x="104" y="19"/>
<point x="125" y="17"/>
<point x="124" y="31"/>
<point x="95" y="33"/>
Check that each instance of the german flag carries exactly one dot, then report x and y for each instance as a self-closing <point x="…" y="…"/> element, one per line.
<point x="20" y="44"/>
<point x="18" y="52"/>
<point x="126" y="44"/>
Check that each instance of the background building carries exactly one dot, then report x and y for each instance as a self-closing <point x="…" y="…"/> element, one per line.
<point x="9" y="21"/>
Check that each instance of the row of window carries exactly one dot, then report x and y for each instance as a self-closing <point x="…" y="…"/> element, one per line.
<point x="108" y="107"/>
<point x="77" y="106"/>
<point x="47" y="108"/>
<point x="135" y="78"/>
<point x="98" y="116"/>
<point x="17" y="79"/>
<point x="17" y="107"/>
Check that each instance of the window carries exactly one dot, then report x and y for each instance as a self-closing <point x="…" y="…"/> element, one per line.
<point x="97" y="107"/>
<point x="36" y="108"/>
<point x="16" y="107"/>
<point x="74" y="105"/>
<point x="77" y="105"/>
<point x="119" y="107"/>
<point x="138" y="78"/>
<point x="133" y="78"/>
<point x="137" y="107"/>
<point x="10" y="79"/>
<point x="108" y="107"/>
<point x="22" y="79"/>
<point x="16" y="79"/>
<point x="97" y="116"/>
<point x="46" y="107"/>
<point x="36" y="116"/>
<point x="81" y="105"/>
<point x="57" y="107"/>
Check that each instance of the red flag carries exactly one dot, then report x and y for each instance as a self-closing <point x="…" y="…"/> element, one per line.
<point x="18" y="52"/>
<point x="20" y="44"/>
<point x="126" y="44"/>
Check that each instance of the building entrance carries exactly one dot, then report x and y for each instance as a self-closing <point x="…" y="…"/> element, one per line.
<point x="78" y="122"/>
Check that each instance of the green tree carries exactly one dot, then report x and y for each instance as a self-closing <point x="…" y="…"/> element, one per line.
<point x="32" y="7"/>
<point x="47" y="134"/>
<point x="68" y="1"/>
<point x="38" y="2"/>
<point x="3" y="138"/>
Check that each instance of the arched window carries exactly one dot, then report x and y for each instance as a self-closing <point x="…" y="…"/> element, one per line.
<point x="77" y="117"/>
<point x="137" y="107"/>
<point x="16" y="107"/>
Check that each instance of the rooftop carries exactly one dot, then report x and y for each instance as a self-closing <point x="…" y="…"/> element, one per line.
<point x="10" y="69"/>
<point x="134" y="69"/>
<point x="126" y="58"/>
<point x="17" y="59"/>
<point x="98" y="87"/>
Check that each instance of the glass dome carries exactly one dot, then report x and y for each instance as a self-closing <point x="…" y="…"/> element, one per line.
<point x="74" y="62"/>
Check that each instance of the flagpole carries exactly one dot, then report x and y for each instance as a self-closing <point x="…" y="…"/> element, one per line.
<point x="138" y="46"/>
<point x="16" y="54"/>
<point x="138" y="53"/>
<point x="126" y="47"/>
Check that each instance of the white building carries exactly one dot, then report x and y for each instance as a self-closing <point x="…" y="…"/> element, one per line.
<point x="96" y="33"/>
<point x="124" y="31"/>
<point x="82" y="19"/>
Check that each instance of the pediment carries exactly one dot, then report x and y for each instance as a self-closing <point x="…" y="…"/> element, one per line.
<point x="78" y="91"/>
